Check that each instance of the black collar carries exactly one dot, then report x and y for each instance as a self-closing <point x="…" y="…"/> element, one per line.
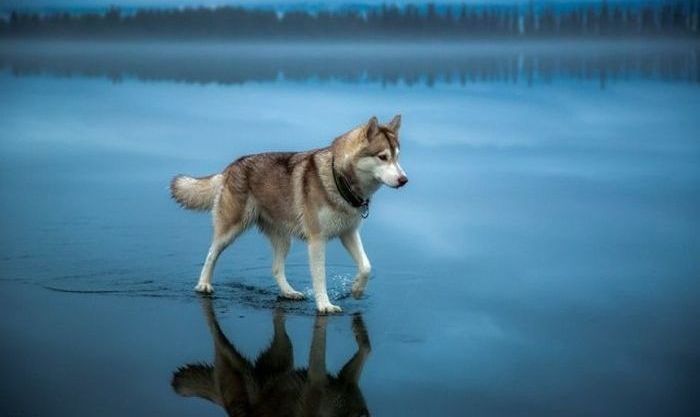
<point x="345" y="190"/>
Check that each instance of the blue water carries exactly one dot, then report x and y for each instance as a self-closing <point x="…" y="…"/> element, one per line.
<point x="543" y="260"/>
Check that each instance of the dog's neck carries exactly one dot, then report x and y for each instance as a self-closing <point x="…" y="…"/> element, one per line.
<point x="366" y="183"/>
<point x="361" y="184"/>
<point x="355" y="188"/>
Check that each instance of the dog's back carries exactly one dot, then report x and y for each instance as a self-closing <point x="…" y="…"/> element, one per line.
<point x="272" y="190"/>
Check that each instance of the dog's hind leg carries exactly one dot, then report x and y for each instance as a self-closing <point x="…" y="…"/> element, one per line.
<point x="233" y="373"/>
<point x="228" y="224"/>
<point x="280" y="249"/>
<point x="352" y="242"/>
<point x="218" y="244"/>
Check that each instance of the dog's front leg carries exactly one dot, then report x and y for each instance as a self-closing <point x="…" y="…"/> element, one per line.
<point x="317" y="262"/>
<point x="352" y="242"/>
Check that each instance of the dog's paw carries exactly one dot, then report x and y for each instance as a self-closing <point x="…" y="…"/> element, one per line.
<point x="328" y="308"/>
<point x="204" y="288"/>
<point x="292" y="295"/>
<point x="357" y="290"/>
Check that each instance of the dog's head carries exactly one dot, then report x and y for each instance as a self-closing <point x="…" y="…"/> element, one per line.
<point x="374" y="153"/>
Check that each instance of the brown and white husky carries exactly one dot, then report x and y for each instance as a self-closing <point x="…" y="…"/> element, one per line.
<point x="315" y="195"/>
<point x="271" y="385"/>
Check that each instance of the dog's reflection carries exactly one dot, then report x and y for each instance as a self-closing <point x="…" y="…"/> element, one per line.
<point x="271" y="386"/>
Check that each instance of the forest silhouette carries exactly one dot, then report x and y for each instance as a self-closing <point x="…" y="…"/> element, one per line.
<point x="387" y="21"/>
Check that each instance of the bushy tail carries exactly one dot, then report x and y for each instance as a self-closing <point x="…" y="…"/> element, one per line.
<point x="195" y="193"/>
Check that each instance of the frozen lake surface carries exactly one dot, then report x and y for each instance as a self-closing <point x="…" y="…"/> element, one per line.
<point x="542" y="261"/>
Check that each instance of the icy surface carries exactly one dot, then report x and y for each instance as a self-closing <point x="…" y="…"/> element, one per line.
<point x="543" y="259"/>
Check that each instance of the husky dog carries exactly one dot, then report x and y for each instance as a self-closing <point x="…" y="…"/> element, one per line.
<point x="315" y="195"/>
<point x="271" y="386"/>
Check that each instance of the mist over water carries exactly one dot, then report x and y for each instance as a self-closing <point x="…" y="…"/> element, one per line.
<point x="528" y="62"/>
<point x="543" y="259"/>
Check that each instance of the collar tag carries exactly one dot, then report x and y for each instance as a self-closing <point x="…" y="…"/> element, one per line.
<point x="364" y="209"/>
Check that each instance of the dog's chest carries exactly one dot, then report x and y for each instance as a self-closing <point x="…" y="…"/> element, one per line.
<point x="334" y="222"/>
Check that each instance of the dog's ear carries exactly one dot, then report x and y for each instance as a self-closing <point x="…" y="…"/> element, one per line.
<point x="395" y="123"/>
<point x="372" y="128"/>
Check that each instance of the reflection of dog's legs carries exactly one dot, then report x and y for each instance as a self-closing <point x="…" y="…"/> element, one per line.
<point x="353" y="368"/>
<point x="223" y="349"/>
<point x="232" y="372"/>
<point x="353" y="244"/>
<point x="278" y="358"/>
<point x="224" y="383"/>
<point x="317" y="355"/>
<point x="280" y="249"/>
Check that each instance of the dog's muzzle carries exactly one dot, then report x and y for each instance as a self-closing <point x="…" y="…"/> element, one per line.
<point x="403" y="180"/>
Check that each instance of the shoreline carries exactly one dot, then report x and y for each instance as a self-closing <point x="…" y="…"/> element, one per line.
<point x="320" y="47"/>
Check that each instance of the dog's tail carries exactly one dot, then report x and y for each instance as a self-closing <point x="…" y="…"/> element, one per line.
<point x="196" y="193"/>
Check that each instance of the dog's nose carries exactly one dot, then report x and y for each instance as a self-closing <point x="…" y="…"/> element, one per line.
<point x="403" y="180"/>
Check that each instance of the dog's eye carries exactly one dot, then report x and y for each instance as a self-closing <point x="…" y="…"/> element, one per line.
<point x="382" y="157"/>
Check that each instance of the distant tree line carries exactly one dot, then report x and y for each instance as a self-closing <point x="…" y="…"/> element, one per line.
<point x="387" y="21"/>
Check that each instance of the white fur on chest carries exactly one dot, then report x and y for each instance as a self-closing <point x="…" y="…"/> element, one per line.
<point x="334" y="223"/>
